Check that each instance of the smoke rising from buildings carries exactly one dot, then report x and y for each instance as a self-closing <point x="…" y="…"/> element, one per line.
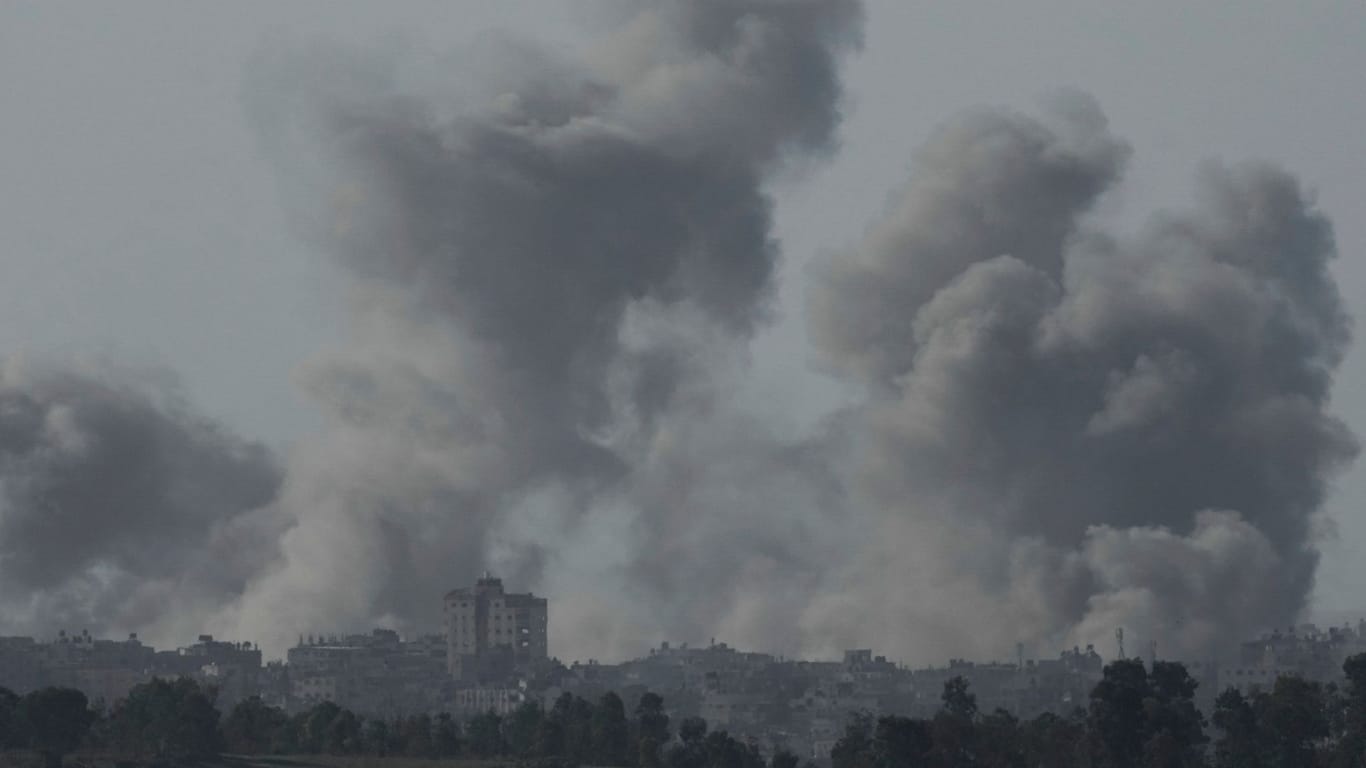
<point x="553" y="277"/>
<point x="1086" y="429"/>
<point x="555" y="268"/>
<point x="120" y="510"/>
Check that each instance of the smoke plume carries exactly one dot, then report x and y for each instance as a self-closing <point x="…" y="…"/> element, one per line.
<point x="1079" y="429"/>
<point x="120" y="510"/>
<point x="555" y="267"/>
<point x="553" y="273"/>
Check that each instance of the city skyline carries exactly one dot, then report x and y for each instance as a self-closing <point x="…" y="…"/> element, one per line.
<point x="765" y="700"/>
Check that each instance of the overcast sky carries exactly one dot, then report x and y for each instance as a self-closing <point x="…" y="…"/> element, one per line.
<point x="138" y="220"/>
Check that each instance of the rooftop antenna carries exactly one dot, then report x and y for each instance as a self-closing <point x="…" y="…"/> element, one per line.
<point x="1119" y="640"/>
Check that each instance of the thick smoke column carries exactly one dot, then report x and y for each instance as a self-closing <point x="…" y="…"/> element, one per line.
<point x="119" y="509"/>
<point x="556" y="268"/>
<point x="1074" y="429"/>
<point x="551" y="273"/>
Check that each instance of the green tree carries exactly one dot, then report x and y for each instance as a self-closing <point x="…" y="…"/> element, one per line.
<point x="484" y="735"/>
<point x="649" y="753"/>
<point x="1175" y="728"/>
<point x="611" y="732"/>
<point x="1137" y="718"/>
<point x="854" y="749"/>
<point x="344" y="734"/>
<point x="574" y="716"/>
<point x="417" y="736"/>
<point x="956" y="700"/>
<point x="652" y="727"/>
<point x="1293" y="720"/>
<point x="998" y="741"/>
<point x="11" y="734"/>
<point x="1239" y="743"/>
<point x="1164" y="750"/>
<point x="316" y="723"/>
<point x="375" y="738"/>
<point x="1053" y="741"/>
<point x="446" y="736"/>
<point x="899" y="741"/>
<point x="1116" y="718"/>
<point x="56" y="719"/>
<point x="1351" y="747"/>
<point x="784" y="758"/>
<point x="953" y="729"/>
<point x="692" y="730"/>
<point x="1335" y="708"/>
<point x="254" y="728"/>
<point x="166" y="718"/>
<point x="522" y="727"/>
<point x="290" y="740"/>
<point x="550" y="740"/>
<point x="724" y="751"/>
<point x="691" y="750"/>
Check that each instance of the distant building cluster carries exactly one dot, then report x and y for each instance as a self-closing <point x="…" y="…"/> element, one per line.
<point x="494" y="643"/>
<point x="107" y="669"/>
<point x="377" y="673"/>
<point x="803" y="706"/>
<point x="1304" y="651"/>
<point x="494" y="655"/>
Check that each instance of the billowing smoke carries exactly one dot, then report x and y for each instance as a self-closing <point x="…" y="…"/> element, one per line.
<point x="120" y="510"/>
<point x="1074" y="430"/>
<point x="554" y="275"/>
<point x="555" y="268"/>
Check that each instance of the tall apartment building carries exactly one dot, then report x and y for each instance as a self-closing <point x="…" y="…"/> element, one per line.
<point x="484" y="624"/>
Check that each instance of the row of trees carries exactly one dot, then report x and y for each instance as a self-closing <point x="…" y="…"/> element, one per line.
<point x="161" y="717"/>
<point x="572" y="731"/>
<point x="1136" y="718"/>
<point x="53" y="721"/>
<point x="177" y="719"/>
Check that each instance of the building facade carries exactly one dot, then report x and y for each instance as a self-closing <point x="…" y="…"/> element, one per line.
<point x="486" y="624"/>
<point x="378" y="674"/>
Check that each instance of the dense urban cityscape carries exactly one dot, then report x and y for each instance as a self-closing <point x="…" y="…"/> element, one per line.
<point x="494" y="656"/>
<point x="857" y="384"/>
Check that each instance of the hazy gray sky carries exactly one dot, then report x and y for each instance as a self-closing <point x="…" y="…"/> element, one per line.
<point x="139" y="221"/>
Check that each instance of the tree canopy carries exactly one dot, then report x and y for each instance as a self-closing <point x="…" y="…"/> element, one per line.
<point x="1136" y="717"/>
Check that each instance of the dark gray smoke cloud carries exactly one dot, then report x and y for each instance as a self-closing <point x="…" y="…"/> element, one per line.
<point x="1110" y="430"/>
<point x="119" y="508"/>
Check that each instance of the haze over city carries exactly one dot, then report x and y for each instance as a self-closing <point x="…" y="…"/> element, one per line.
<point x="806" y="325"/>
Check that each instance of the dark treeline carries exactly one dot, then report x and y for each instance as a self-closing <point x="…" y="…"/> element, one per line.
<point x="176" y="719"/>
<point x="1136" y="718"/>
